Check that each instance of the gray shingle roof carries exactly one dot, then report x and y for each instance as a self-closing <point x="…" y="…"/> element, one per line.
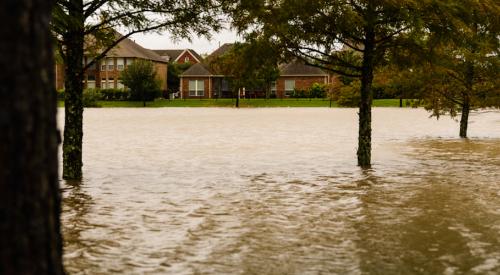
<point x="197" y="69"/>
<point x="299" y="68"/>
<point x="128" y="48"/>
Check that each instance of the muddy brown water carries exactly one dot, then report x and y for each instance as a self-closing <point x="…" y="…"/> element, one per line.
<point x="277" y="191"/>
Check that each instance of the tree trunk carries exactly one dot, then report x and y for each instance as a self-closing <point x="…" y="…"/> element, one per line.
<point x="365" y="105"/>
<point x="464" y="119"/>
<point x="237" y="98"/>
<point x="73" y="112"/>
<point x="30" y="238"/>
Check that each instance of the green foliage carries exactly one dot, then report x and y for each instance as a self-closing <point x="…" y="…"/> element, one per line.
<point x="115" y="94"/>
<point x="251" y="64"/>
<point x="173" y="75"/>
<point x="318" y="90"/>
<point x="347" y="95"/>
<point x="299" y="94"/>
<point x="140" y="78"/>
<point x="91" y="98"/>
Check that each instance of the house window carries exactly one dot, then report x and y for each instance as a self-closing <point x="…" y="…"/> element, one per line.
<point x="273" y="87"/>
<point x="103" y="66"/>
<point x="108" y="84"/>
<point x="119" y="84"/>
<point x="289" y="87"/>
<point x="196" y="87"/>
<point x="186" y="59"/>
<point x="120" y="64"/>
<point x="111" y="64"/>
<point x="90" y="81"/>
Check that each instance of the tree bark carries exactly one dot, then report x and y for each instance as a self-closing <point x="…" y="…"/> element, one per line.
<point x="30" y="238"/>
<point x="464" y="119"/>
<point x="365" y="106"/>
<point x="73" y="112"/>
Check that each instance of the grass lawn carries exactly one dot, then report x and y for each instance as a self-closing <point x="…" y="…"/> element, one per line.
<point x="244" y="103"/>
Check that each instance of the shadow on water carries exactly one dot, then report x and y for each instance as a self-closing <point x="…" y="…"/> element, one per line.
<point x="77" y="205"/>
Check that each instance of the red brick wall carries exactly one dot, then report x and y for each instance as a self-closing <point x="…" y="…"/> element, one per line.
<point x="185" y="87"/>
<point x="301" y="83"/>
<point x="182" y="58"/>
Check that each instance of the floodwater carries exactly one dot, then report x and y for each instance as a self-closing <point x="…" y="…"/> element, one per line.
<point x="277" y="191"/>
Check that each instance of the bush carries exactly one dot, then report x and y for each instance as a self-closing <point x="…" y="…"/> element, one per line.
<point x="348" y="95"/>
<point x="91" y="98"/>
<point x="115" y="94"/>
<point x="299" y="94"/>
<point x="317" y="90"/>
<point x="140" y="77"/>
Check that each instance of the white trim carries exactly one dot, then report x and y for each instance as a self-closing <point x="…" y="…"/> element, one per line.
<point x="187" y="50"/>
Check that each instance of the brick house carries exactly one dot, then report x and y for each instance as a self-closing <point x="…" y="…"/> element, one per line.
<point x="180" y="56"/>
<point x="105" y="74"/>
<point x="199" y="81"/>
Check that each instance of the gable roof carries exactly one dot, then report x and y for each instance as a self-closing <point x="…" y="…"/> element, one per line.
<point x="175" y="54"/>
<point x="299" y="68"/>
<point x="198" y="69"/>
<point x="128" y="48"/>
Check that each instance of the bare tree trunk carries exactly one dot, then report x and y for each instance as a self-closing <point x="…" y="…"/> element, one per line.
<point x="73" y="101"/>
<point x="30" y="238"/>
<point x="464" y="119"/>
<point x="365" y="107"/>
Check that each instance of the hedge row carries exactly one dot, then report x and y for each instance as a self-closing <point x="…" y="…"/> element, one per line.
<point x="113" y="95"/>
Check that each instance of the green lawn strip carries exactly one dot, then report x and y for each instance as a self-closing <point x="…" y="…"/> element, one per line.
<point x="244" y="103"/>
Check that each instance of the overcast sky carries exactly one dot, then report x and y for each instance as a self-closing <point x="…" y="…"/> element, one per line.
<point x="200" y="45"/>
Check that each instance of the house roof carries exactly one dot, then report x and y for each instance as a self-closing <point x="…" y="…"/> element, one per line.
<point x="299" y="68"/>
<point x="174" y="54"/>
<point x="128" y="48"/>
<point x="220" y="51"/>
<point x="198" y="69"/>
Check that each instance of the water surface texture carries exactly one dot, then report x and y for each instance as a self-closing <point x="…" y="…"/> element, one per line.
<point x="277" y="191"/>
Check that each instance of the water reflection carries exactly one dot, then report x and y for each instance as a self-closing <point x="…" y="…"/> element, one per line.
<point x="220" y="191"/>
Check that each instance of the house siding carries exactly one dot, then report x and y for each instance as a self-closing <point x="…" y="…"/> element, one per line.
<point x="182" y="58"/>
<point x="161" y="71"/>
<point x="206" y="91"/>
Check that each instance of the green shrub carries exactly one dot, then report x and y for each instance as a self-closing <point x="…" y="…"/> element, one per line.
<point x="317" y="90"/>
<point x="91" y="98"/>
<point x="299" y="94"/>
<point x="140" y="77"/>
<point x="348" y="95"/>
<point x="115" y="94"/>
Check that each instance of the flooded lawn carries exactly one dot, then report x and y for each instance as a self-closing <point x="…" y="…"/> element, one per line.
<point x="277" y="191"/>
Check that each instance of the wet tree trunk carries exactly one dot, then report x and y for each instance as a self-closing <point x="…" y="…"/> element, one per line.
<point x="464" y="119"/>
<point x="73" y="122"/>
<point x="30" y="238"/>
<point x="365" y="106"/>
<point x="237" y="105"/>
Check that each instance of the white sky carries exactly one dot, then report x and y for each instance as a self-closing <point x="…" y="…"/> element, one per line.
<point x="200" y="45"/>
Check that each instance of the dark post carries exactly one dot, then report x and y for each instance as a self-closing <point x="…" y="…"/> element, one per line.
<point x="30" y="238"/>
